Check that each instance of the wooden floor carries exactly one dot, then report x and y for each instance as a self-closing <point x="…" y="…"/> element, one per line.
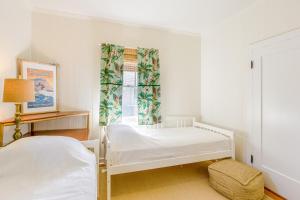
<point x="172" y="183"/>
<point x="273" y="195"/>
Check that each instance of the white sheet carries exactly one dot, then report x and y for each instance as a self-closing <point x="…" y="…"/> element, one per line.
<point x="47" y="168"/>
<point x="131" y="145"/>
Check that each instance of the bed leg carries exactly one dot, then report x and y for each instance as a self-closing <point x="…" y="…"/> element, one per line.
<point x="108" y="186"/>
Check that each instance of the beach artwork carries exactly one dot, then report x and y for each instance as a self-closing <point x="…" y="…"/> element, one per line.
<point x="44" y="76"/>
<point x="43" y="87"/>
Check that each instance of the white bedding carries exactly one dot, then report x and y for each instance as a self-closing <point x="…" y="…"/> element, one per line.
<point x="47" y="168"/>
<point x="130" y="145"/>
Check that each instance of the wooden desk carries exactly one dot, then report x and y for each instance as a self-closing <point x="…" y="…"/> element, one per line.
<point x="31" y="119"/>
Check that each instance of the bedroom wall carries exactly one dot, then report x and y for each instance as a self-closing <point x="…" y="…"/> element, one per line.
<point x="15" y="38"/>
<point x="73" y="42"/>
<point x="225" y="74"/>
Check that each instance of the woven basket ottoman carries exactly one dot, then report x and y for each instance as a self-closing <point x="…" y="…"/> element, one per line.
<point x="236" y="181"/>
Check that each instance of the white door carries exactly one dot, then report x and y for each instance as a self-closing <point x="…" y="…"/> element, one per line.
<point x="275" y="136"/>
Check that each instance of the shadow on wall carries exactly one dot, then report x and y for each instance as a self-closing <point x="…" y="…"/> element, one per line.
<point x="69" y="98"/>
<point x="40" y="57"/>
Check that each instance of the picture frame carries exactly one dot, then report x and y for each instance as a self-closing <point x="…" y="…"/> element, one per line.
<point x="45" y="76"/>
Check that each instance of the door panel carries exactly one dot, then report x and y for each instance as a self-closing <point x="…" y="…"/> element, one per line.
<point x="276" y="110"/>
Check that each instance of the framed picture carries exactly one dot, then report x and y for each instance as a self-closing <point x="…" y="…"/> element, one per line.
<point x="45" y="86"/>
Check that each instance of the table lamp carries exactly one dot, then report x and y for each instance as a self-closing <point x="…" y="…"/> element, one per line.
<point x="18" y="91"/>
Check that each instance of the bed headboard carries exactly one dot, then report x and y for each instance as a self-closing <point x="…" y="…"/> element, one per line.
<point x="179" y="121"/>
<point x="174" y="122"/>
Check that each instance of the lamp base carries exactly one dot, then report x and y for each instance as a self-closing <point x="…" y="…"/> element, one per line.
<point x="18" y="133"/>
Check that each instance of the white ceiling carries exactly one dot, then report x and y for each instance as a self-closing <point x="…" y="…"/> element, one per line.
<point x="192" y="16"/>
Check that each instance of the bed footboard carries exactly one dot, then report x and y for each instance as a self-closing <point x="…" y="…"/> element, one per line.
<point x="92" y="145"/>
<point x="186" y="121"/>
<point x="214" y="129"/>
<point x="108" y="165"/>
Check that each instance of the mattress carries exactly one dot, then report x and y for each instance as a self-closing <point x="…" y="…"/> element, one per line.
<point x="45" y="167"/>
<point x="132" y="145"/>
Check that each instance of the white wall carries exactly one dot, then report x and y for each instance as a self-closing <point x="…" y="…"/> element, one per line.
<point x="73" y="42"/>
<point x="15" y="38"/>
<point x="226" y="62"/>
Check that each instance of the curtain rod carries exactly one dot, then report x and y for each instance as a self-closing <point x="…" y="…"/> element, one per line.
<point x="125" y="47"/>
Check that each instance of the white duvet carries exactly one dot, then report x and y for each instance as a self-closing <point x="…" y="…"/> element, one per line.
<point x="47" y="168"/>
<point x="131" y="144"/>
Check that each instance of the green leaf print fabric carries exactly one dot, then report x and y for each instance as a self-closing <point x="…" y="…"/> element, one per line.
<point x="111" y="78"/>
<point x="148" y="86"/>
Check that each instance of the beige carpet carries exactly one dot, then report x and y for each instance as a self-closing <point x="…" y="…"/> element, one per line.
<point x="189" y="182"/>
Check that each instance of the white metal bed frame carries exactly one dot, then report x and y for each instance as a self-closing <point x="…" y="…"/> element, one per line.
<point x="180" y="122"/>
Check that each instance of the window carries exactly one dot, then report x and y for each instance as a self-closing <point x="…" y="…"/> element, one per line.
<point x="129" y="93"/>
<point x="129" y="99"/>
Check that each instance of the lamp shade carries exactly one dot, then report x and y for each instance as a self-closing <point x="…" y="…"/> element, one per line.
<point x="18" y="90"/>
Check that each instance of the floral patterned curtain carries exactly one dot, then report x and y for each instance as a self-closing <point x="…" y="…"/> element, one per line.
<point x="111" y="79"/>
<point x="148" y="86"/>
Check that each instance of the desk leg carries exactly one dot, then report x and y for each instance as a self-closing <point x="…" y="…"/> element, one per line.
<point x="88" y="124"/>
<point x="32" y="129"/>
<point x="1" y="134"/>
